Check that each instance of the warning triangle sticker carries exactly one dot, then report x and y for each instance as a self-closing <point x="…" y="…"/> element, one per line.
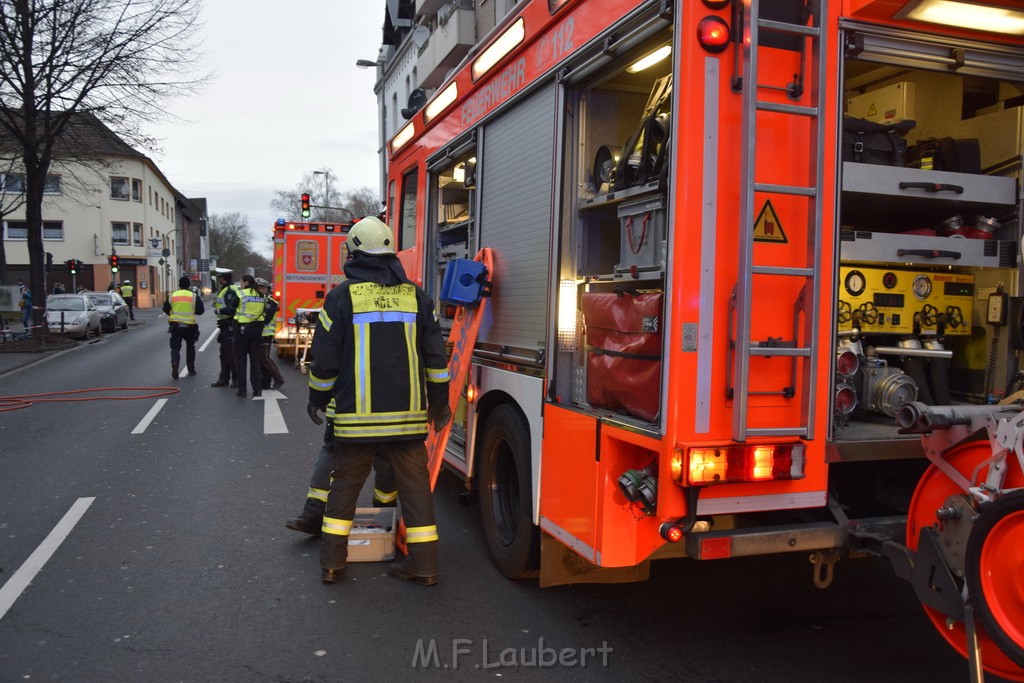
<point x="768" y="228"/>
<point x="872" y="111"/>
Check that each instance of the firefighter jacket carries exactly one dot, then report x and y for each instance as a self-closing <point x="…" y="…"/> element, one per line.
<point x="269" y="323"/>
<point x="227" y="301"/>
<point x="250" y="307"/>
<point x="379" y="352"/>
<point x="183" y="307"/>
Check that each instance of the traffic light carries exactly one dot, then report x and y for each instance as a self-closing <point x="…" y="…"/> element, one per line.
<point x="305" y="205"/>
<point x="72" y="265"/>
<point x="113" y="263"/>
<point x="49" y="261"/>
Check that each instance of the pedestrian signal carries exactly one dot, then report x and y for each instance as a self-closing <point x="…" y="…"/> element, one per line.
<point x="305" y="205"/>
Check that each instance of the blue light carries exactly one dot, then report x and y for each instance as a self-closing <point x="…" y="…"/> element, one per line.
<point x="280" y="221"/>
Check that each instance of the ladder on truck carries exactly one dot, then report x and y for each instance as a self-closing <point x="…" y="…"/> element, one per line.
<point x="800" y="350"/>
<point x="461" y="341"/>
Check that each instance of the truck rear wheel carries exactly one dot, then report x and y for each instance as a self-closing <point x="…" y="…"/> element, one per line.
<point x="994" y="571"/>
<point x="930" y="495"/>
<point x="506" y="509"/>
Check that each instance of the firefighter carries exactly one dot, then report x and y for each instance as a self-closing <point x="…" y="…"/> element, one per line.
<point x="379" y="352"/>
<point x="248" y="334"/>
<point x="182" y="308"/>
<point x="311" y="519"/>
<point x="128" y="294"/>
<point x="224" y="308"/>
<point x="270" y="368"/>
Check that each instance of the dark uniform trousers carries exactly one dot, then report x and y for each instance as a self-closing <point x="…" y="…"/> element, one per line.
<point x="247" y="340"/>
<point x="190" y="335"/>
<point x="225" y="340"/>
<point x="352" y="463"/>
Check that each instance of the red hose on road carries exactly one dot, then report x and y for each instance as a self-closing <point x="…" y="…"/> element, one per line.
<point x="8" y="403"/>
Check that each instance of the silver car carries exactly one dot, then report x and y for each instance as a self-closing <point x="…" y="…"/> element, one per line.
<point x="113" y="310"/>
<point x="72" y="314"/>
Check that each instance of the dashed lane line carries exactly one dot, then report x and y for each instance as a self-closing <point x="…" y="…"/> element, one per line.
<point x="141" y="427"/>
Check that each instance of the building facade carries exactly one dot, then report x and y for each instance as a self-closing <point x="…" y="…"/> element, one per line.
<point x="107" y="199"/>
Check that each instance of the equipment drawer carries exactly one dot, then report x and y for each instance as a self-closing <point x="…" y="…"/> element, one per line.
<point x="859" y="246"/>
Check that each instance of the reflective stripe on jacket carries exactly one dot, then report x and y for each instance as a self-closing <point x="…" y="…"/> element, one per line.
<point x="183" y="307"/>
<point x="379" y="350"/>
<point x="127" y="291"/>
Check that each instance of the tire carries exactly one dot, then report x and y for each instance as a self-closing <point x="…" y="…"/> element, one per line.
<point x="994" y="565"/>
<point x="505" y="489"/>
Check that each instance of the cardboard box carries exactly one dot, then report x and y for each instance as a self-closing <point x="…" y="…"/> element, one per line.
<point x="372" y="538"/>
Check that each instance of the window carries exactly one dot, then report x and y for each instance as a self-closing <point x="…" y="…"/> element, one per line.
<point x="53" y="230"/>
<point x="119" y="188"/>
<point x="408" y="215"/>
<point x="53" y="185"/>
<point x="13" y="183"/>
<point x="119" y="232"/>
<point x="137" y="234"/>
<point x="136" y="190"/>
<point x="18" y="230"/>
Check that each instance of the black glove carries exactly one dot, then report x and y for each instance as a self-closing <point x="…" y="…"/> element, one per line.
<point x="439" y="415"/>
<point x="314" y="410"/>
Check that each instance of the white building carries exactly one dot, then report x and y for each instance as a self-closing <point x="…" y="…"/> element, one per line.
<point x="113" y="201"/>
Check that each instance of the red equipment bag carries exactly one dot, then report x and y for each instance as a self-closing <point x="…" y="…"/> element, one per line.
<point x="624" y="352"/>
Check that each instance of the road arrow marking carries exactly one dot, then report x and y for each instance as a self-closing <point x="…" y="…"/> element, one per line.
<point x="273" y="419"/>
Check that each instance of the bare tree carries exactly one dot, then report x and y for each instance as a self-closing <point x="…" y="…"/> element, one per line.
<point x="231" y="243"/>
<point x="116" y="60"/>
<point x="12" y="197"/>
<point x="329" y="204"/>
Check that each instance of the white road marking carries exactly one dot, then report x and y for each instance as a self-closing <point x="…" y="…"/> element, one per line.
<point x="209" y="339"/>
<point x="16" y="585"/>
<point x="141" y="427"/>
<point x="273" y="419"/>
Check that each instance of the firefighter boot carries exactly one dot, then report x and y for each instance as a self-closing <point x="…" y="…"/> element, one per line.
<point x="420" y="566"/>
<point x="311" y="519"/>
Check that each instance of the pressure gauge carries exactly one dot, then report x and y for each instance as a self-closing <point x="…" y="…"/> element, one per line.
<point x="889" y="280"/>
<point x="855" y="283"/>
<point x="922" y="287"/>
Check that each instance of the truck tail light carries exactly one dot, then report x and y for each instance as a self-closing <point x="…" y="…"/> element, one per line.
<point x="735" y="464"/>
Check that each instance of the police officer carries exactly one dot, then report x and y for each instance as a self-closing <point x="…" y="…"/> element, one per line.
<point x="311" y="519"/>
<point x="128" y="294"/>
<point x="224" y="306"/>
<point x="182" y="308"/>
<point x="379" y="352"/>
<point x="270" y="368"/>
<point x="248" y="336"/>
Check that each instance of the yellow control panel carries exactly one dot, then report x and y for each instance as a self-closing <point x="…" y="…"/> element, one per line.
<point x="886" y="300"/>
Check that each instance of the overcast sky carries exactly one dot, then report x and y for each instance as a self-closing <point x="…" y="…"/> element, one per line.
<point x="287" y="99"/>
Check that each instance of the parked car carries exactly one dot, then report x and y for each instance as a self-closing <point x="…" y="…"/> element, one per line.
<point x="73" y="314"/>
<point x="113" y="310"/>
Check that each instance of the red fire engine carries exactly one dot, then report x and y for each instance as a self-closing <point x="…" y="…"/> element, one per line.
<point x="755" y="289"/>
<point x="308" y="261"/>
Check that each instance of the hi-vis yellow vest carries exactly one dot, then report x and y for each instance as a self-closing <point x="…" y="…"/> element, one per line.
<point x="183" y="307"/>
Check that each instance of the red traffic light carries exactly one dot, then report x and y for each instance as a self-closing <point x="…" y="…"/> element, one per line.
<point x="113" y="263"/>
<point x="305" y="205"/>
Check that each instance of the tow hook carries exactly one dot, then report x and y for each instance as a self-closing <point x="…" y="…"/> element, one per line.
<point x="823" y="561"/>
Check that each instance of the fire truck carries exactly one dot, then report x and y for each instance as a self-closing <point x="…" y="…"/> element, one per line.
<point x="755" y="290"/>
<point x="308" y="261"/>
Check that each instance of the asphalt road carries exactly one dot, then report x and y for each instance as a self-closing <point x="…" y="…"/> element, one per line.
<point x="174" y="565"/>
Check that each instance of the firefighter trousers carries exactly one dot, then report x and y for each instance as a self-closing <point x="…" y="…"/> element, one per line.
<point x="384" y="492"/>
<point x="352" y="463"/>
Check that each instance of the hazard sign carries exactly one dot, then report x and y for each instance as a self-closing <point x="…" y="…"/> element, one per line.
<point x="767" y="228"/>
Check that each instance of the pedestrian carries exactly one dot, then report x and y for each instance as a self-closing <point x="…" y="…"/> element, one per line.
<point x="112" y="287"/>
<point x="182" y="308"/>
<point x="248" y="335"/>
<point x="379" y="352"/>
<point x="25" y="304"/>
<point x="224" y="306"/>
<point x="310" y="520"/>
<point x="128" y="294"/>
<point x="58" y="288"/>
<point x="267" y="363"/>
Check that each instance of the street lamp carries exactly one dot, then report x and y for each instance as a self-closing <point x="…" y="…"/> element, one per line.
<point x="367" y="63"/>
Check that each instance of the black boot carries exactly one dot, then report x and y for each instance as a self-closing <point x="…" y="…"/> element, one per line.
<point x="174" y="370"/>
<point x="311" y="519"/>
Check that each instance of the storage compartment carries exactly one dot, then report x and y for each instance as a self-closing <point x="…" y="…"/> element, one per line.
<point x="642" y="236"/>
<point x="623" y="333"/>
<point x="372" y="538"/>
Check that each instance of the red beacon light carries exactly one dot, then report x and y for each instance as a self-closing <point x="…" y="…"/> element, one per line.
<point x="713" y="34"/>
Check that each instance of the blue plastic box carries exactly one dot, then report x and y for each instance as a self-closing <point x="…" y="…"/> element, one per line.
<point x="463" y="282"/>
